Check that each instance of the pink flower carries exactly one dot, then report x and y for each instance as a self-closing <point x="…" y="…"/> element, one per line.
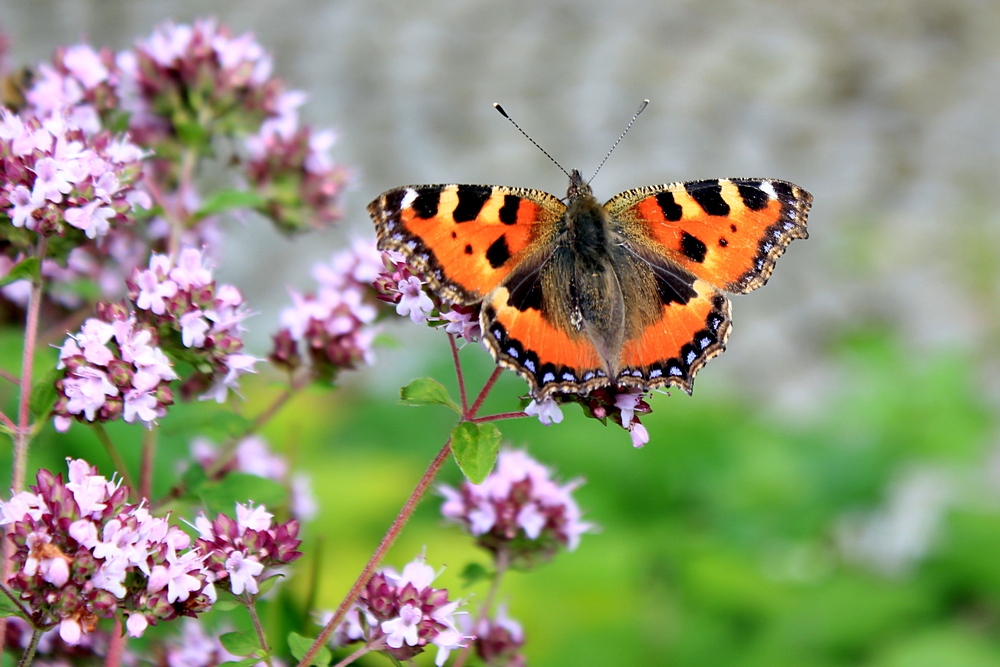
<point x="518" y="509"/>
<point x="25" y="203"/>
<point x="413" y="301"/>
<point x="85" y="64"/>
<point x="92" y="218"/>
<point x="242" y="573"/>
<point x="548" y="411"/>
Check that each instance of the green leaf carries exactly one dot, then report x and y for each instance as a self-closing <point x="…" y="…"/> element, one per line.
<point x="26" y="269"/>
<point x="228" y="200"/>
<point x="266" y="585"/>
<point x="427" y="391"/>
<point x="474" y="573"/>
<point x="241" y="643"/>
<point x="238" y="487"/>
<point x="227" y="603"/>
<point x="43" y="394"/>
<point x="245" y="662"/>
<point x="475" y="447"/>
<point x="299" y="646"/>
<point x="8" y="608"/>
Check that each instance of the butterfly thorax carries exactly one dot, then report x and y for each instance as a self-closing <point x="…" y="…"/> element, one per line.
<point x="582" y="283"/>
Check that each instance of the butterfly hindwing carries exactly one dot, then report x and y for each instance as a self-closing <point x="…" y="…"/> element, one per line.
<point x="464" y="239"/>
<point x="729" y="232"/>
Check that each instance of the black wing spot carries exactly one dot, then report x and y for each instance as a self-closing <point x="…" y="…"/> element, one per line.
<point x="710" y="199"/>
<point x="508" y="212"/>
<point x="693" y="248"/>
<point x="526" y="295"/>
<point x="673" y="288"/>
<point x="454" y="234"/>
<point x="753" y="197"/>
<point x="471" y="199"/>
<point x="723" y="242"/>
<point x="733" y="227"/>
<point x="425" y="204"/>
<point x="672" y="211"/>
<point x="468" y="249"/>
<point x="498" y="253"/>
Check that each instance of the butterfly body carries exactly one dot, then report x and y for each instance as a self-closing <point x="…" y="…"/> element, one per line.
<point x="581" y="295"/>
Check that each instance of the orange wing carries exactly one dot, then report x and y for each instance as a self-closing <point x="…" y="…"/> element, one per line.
<point x="464" y="239"/>
<point x="728" y="232"/>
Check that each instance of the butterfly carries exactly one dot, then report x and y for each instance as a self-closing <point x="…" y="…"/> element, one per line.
<point x="577" y="295"/>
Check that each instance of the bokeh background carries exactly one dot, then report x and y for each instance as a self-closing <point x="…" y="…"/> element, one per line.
<point x="830" y="495"/>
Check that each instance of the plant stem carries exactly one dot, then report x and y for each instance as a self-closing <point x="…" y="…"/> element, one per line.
<point x="116" y="459"/>
<point x="482" y="394"/>
<point x="22" y="436"/>
<point x="146" y="467"/>
<point x="502" y="563"/>
<point x="21" y="432"/>
<point x="498" y="417"/>
<point x="116" y="646"/>
<point x="367" y="648"/>
<point x="29" y="653"/>
<point x="383" y="547"/>
<point x="252" y="610"/>
<point x="458" y="374"/>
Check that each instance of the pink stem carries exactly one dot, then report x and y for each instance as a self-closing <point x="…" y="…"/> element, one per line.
<point x="116" y="647"/>
<point x="383" y="547"/>
<point x="458" y="374"/>
<point x="498" y="417"/>
<point x="482" y="395"/>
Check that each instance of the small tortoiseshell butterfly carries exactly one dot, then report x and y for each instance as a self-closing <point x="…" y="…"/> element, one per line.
<point x="578" y="295"/>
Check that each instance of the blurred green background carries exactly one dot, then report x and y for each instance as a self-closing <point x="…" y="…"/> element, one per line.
<point x="830" y="495"/>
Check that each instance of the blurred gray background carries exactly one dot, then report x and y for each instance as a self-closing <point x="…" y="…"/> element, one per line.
<point x="886" y="111"/>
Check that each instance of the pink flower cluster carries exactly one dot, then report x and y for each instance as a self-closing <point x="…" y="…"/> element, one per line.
<point x="240" y="554"/>
<point x="113" y="369"/>
<point x="333" y="327"/>
<point x="499" y="640"/>
<point x="83" y="553"/>
<point x="398" y="284"/>
<point x="80" y="82"/>
<point x="291" y="166"/>
<point x="198" y="319"/>
<point x="199" y="73"/>
<point x="401" y="614"/>
<point x="518" y="512"/>
<point x="56" y="177"/>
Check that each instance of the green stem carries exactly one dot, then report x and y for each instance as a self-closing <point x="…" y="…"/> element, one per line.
<point x="248" y="602"/>
<point x="116" y="459"/>
<point x="29" y="653"/>
<point x="367" y="648"/>
<point x="146" y="467"/>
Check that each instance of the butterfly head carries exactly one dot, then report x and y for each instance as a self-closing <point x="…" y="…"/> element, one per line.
<point x="578" y="187"/>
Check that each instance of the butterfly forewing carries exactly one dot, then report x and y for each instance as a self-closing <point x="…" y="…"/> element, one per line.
<point x="464" y="239"/>
<point x="729" y="232"/>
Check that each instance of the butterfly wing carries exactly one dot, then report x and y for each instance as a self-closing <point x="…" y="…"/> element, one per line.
<point x="728" y="232"/>
<point x="464" y="239"/>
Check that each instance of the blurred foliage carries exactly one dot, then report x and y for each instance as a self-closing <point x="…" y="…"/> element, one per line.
<point x="721" y="541"/>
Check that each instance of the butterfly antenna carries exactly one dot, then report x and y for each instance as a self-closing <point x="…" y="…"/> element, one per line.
<point x="496" y="105"/>
<point x="624" y="132"/>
